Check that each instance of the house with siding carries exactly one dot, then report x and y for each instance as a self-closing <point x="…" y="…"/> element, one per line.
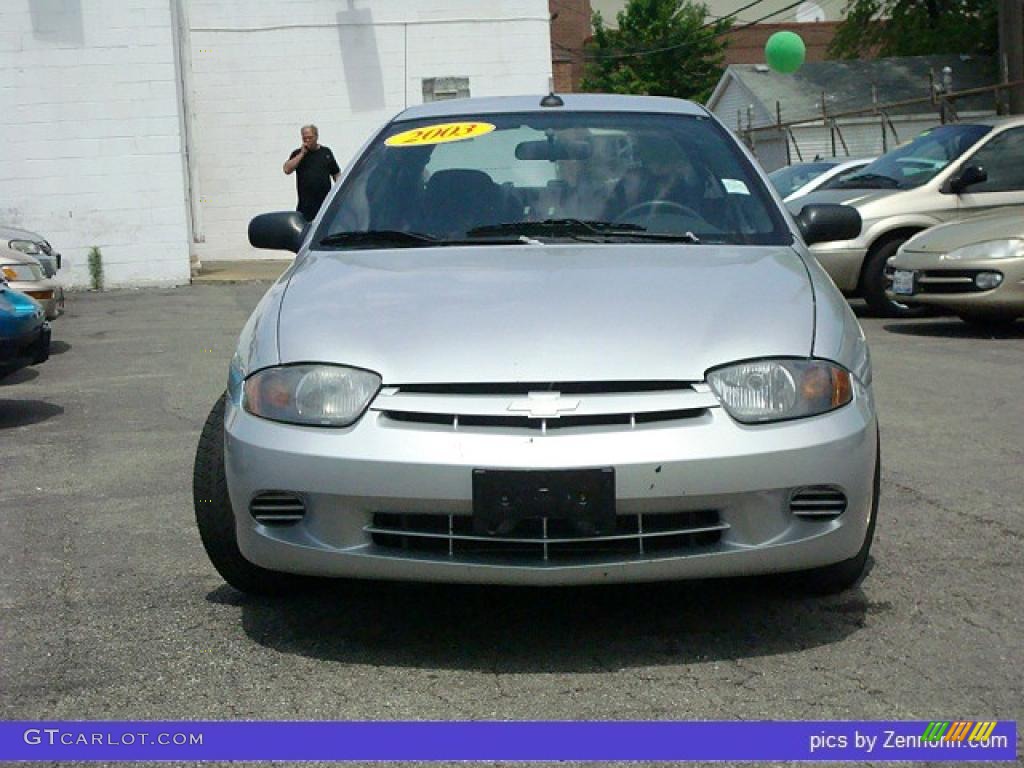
<point x="752" y="99"/>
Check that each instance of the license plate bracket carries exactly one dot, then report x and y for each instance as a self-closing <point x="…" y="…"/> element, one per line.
<point x="505" y="499"/>
<point x="904" y="282"/>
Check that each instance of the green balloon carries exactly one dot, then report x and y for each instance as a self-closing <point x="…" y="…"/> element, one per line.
<point x="785" y="52"/>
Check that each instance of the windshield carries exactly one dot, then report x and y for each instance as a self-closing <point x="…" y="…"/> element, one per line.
<point x="788" y="180"/>
<point x="551" y="176"/>
<point x="915" y="163"/>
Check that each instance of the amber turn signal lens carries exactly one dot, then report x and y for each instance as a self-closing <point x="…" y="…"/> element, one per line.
<point x="842" y="388"/>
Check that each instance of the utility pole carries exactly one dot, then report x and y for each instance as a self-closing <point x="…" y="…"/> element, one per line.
<point x="1011" y="49"/>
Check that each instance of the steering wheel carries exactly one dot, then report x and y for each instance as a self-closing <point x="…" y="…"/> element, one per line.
<point x="654" y="205"/>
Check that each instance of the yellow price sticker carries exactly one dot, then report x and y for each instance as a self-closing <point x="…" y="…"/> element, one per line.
<point x="439" y="134"/>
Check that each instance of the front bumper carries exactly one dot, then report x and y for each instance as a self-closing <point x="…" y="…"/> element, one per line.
<point x="48" y="293"/>
<point x="948" y="284"/>
<point x="29" y="349"/>
<point x="747" y="475"/>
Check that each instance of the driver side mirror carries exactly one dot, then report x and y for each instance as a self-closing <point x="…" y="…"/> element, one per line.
<point x="969" y="176"/>
<point x="282" y="231"/>
<point x="823" y="223"/>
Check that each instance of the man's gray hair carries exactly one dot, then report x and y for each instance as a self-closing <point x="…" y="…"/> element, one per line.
<point x="313" y="128"/>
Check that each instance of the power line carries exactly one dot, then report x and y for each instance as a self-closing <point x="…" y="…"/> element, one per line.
<point x="663" y="49"/>
<point x="678" y="45"/>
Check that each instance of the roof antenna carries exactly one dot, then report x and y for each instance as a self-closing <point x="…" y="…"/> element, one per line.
<point x="552" y="99"/>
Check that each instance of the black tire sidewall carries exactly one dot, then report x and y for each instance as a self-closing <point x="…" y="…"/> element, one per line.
<point x="873" y="282"/>
<point x="215" y="516"/>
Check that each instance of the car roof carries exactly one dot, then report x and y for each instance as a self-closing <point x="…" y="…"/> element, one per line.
<point x="573" y="102"/>
<point x="998" y="122"/>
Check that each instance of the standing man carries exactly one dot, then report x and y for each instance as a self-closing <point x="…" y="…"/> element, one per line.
<point x="316" y="168"/>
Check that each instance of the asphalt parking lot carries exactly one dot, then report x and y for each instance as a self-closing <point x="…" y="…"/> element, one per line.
<point x="111" y="610"/>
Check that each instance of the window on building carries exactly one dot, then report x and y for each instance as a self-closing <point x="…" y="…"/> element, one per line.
<point x="444" y="88"/>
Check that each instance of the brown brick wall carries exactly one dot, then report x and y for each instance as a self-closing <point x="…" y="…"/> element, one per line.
<point x="746" y="46"/>
<point x="570" y="29"/>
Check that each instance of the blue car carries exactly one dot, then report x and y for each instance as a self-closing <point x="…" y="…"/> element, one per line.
<point x="24" y="332"/>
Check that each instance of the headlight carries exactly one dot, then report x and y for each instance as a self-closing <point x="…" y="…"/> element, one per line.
<point x="991" y="249"/>
<point x="25" y="246"/>
<point x="315" y="395"/>
<point x="774" y="390"/>
<point x="22" y="272"/>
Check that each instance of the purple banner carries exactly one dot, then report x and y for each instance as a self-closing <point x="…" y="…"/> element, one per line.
<point x="509" y="741"/>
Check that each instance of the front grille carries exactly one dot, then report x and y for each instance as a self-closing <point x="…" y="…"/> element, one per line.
<point x="544" y="406"/>
<point x="41" y="295"/>
<point x="947" y="281"/>
<point x="277" y="508"/>
<point x="545" y="540"/>
<point x="624" y="421"/>
<point x="818" y="502"/>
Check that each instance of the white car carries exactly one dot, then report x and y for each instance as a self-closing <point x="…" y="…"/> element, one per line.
<point x="24" y="273"/>
<point x="32" y="244"/>
<point x="801" y="179"/>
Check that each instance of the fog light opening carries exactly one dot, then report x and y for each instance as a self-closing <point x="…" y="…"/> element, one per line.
<point x="986" y="281"/>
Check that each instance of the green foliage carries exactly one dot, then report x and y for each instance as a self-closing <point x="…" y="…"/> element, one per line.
<point x="689" y="70"/>
<point x="96" y="268"/>
<point x="916" y="28"/>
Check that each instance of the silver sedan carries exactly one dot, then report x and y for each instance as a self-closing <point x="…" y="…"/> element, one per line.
<point x="544" y="341"/>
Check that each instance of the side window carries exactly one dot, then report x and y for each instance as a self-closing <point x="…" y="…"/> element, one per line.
<point x="1003" y="160"/>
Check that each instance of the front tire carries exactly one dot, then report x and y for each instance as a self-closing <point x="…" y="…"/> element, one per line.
<point x="873" y="282"/>
<point x="832" y="579"/>
<point x="216" y="518"/>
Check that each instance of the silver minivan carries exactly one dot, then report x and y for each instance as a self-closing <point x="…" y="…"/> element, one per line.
<point x="951" y="172"/>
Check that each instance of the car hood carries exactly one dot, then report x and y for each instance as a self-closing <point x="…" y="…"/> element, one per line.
<point x="546" y="313"/>
<point x="858" y="198"/>
<point x="956" y="234"/>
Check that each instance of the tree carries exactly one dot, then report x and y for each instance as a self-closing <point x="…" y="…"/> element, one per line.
<point x="661" y="48"/>
<point x="916" y="28"/>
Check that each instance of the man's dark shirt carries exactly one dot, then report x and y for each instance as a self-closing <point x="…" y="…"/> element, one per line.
<point x="313" y="179"/>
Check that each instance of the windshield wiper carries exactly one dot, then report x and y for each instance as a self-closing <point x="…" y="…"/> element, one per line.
<point x="399" y="239"/>
<point x="379" y="237"/>
<point x="868" y="181"/>
<point x="556" y="227"/>
<point x="588" y="231"/>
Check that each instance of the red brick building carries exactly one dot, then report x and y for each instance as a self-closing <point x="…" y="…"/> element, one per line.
<point x="746" y="46"/>
<point x="570" y="30"/>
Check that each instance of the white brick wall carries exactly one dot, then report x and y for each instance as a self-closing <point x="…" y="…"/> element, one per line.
<point x="262" y="69"/>
<point x="90" y="116"/>
<point x="90" y="129"/>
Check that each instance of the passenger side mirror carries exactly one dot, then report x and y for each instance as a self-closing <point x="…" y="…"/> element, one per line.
<point x="969" y="176"/>
<point x="282" y="231"/>
<point x="823" y="223"/>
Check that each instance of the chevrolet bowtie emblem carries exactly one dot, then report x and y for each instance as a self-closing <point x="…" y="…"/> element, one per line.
<point x="544" y="405"/>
